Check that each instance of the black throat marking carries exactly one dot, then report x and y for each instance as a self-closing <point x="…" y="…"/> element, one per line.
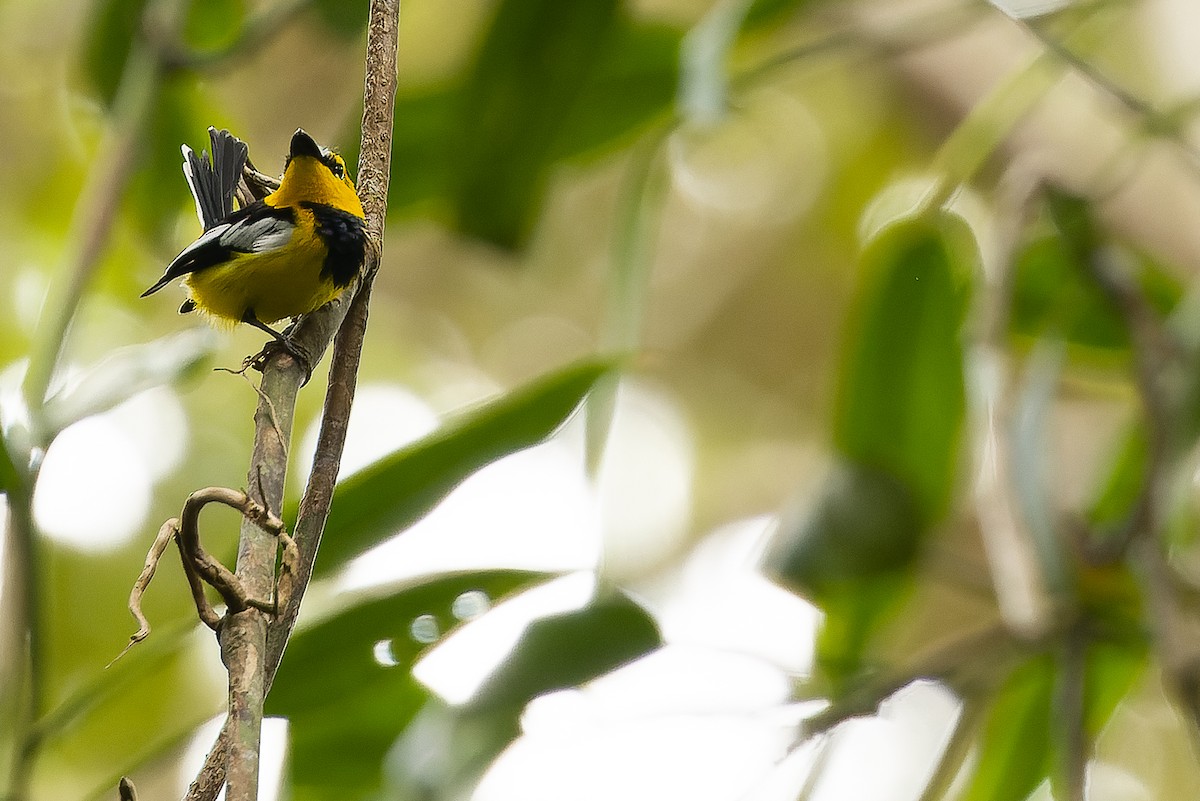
<point x="345" y="238"/>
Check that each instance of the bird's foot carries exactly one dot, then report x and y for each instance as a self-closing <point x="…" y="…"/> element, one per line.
<point x="275" y="346"/>
<point x="279" y="342"/>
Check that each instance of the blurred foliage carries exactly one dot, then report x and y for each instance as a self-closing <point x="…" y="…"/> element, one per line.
<point x="1054" y="295"/>
<point x="1016" y="738"/>
<point x="113" y="27"/>
<point x="346" y="713"/>
<point x="900" y="400"/>
<point x="365" y="512"/>
<point x="555" y="653"/>
<point x="692" y="176"/>
<point x="898" y="422"/>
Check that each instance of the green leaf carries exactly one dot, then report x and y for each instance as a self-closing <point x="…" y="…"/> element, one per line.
<point x="345" y="18"/>
<point x="345" y="708"/>
<point x="181" y="115"/>
<point x="900" y="400"/>
<point x="1114" y="502"/>
<point x="400" y="489"/>
<point x="567" y="650"/>
<point x="10" y="479"/>
<point x="1054" y="292"/>
<point x="525" y="80"/>
<point x="1085" y="314"/>
<point x="1110" y="672"/>
<point x="1014" y="750"/>
<point x="214" y="24"/>
<point x="1018" y="749"/>
<point x="128" y="371"/>
<point x="562" y="651"/>
<point x="897" y="426"/>
<point x="852" y="555"/>
<point x="1120" y="490"/>
<point x="110" y="36"/>
<point x="634" y="80"/>
<point x="865" y="526"/>
<point x="422" y="165"/>
<point x="767" y="12"/>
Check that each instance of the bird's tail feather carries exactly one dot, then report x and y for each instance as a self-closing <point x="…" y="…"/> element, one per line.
<point x="166" y="279"/>
<point x="214" y="181"/>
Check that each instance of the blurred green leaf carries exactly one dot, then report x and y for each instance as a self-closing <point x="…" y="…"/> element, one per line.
<point x="181" y="115"/>
<point x="9" y="477"/>
<point x="525" y="80"/>
<point x="214" y="24"/>
<point x="1067" y="292"/>
<point x="345" y="707"/>
<point x="448" y="748"/>
<point x="1114" y="503"/>
<point x="337" y="652"/>
<point x="422" y="165"/>
<point x="400" y="489"/>
<point x="1054" y="293"/>
<point x="900" y="399"/>
<point x="1072" y="216"/>
<point x="568" y="649"/>
<point x="897" y="426"/>
<point x="1120" y="489"/>
<point x="110" y="36"/>
<point x="767" y="12"/>
<point x="1110" y="672"/>
<point x="851" y="555"/>
<point x="346" y="18"/>
<point x="633" y="80"/>
<point x="128" y="371"/>
<point x="340" y="753"/>
<point x="1017" y="748"/>
<point x="1014" y="750"/>
<point x="865" y="526"/>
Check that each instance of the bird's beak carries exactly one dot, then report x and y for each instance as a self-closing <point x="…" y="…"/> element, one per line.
<point x="304" y="145"/>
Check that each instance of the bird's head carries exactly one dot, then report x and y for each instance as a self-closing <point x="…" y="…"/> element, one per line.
<point x="317" y="175"/>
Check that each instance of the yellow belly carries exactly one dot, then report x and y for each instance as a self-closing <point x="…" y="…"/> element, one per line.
<point x="275" y="285"/>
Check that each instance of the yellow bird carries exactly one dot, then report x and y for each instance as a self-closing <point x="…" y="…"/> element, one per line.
<point x="283" y="256"/>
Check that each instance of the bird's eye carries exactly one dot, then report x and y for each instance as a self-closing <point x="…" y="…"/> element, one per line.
<point x="339" y="171"/>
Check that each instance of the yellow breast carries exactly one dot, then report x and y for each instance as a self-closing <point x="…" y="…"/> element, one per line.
<point x="280" y="283"/>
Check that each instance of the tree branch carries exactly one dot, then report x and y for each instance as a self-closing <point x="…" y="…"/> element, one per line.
<point x="281" y="379"/>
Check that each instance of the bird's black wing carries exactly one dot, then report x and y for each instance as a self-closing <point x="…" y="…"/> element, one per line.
<point x="258" y="228"/>
<point x="213" y="182"/>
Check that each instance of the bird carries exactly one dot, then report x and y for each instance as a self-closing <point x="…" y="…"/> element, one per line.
<point x="283" y="256"/>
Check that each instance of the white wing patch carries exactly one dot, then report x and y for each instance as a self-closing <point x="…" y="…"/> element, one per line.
<point x="188" y="155"/>
<point x="206" y="237"/>
<point x="253" y="236"/>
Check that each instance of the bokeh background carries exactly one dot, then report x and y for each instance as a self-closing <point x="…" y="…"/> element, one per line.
<point x="804" y="482"/>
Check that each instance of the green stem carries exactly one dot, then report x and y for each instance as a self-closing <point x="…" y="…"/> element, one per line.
<point x="957" y="749"/>
<point x="28" y="689"/>
<point x="638" y="205"/>
<point x="91" y="224"/>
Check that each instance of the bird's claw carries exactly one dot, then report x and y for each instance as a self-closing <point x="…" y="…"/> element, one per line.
<point x="274" y="346"/>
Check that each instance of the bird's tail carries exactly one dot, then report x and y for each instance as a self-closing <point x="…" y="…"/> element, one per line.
<point x="213" y="182"/>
